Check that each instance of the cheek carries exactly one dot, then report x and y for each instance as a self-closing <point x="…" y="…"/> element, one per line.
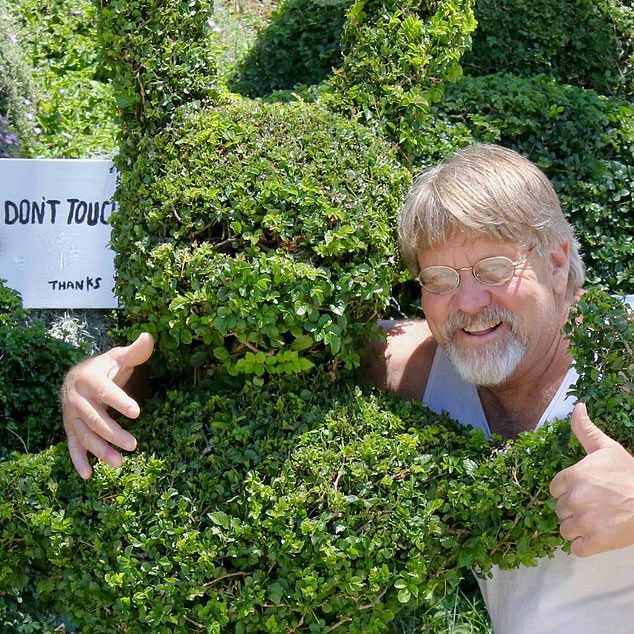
<point x="435" y="313"/>
<point x="536" y="317"/>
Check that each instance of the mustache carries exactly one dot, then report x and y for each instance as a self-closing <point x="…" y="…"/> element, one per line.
<point x="486" y="318"/>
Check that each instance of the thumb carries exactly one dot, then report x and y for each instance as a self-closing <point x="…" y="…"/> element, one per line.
<point x="137" y="353"/>
<point x="587" y="433"/>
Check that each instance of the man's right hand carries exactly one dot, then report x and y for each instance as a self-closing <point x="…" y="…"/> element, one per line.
<point x="89" y="389"/>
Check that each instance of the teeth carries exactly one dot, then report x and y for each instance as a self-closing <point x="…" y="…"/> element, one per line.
<point x="482" y="327"/>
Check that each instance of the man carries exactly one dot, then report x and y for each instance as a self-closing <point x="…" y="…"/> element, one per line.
<point x="499" y="267"/>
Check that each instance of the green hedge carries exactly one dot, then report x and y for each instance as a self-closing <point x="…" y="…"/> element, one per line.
<point x="161" y="55"/>
<point x="396" y="58"/>
<point x="292" y="506"/>
<point x="299" y="46"/>
<point x="257" y="237"/>
<point x="587" y="43"/>
<point x="255" y="241"/>
<point x="32" y="365"/>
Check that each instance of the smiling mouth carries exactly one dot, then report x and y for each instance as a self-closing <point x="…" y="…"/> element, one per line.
<point x="478" y="330"/>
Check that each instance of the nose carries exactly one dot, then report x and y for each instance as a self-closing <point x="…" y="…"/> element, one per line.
<point x="470" y="296"/>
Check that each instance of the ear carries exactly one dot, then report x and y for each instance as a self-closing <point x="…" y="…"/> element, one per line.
<point x="559" y="261"/>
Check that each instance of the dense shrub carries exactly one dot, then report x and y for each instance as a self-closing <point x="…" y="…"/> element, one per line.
<point x="17" y="90"/>
<point x="583" y="141"/>
<point x="215" y="529"/>
<point x="32" y="364"/>
<point x="258" y="237"/>
<point x="76" y="108"/>
<point x="288" y="508"/>
<point x="300" y="45"/>
<point x="587" y="43"/>
<point x="396" y="58"/>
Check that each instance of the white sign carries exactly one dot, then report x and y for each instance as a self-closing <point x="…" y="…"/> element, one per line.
<point x="54" y="231"/>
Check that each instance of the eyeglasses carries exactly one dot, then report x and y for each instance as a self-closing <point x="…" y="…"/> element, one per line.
<point x="494" y="271"/>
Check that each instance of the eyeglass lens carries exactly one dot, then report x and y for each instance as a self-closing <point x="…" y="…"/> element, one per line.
<point x="494" y="271"/>
<point x="489" y="271"/>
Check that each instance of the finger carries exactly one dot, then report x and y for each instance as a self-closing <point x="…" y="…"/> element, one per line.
<point x="85" y="440"/>
<point x="78" y="456"/>
<point x="137" y="353"/>
<point x="97" y="420"/>
<point x="588" y="434"/>
<point x="111" y="395"/>
<point x="559" y="484"/>
<point x="582" y="547"/>
<point x="568" y="529"/>
<point x="562" y="508"/>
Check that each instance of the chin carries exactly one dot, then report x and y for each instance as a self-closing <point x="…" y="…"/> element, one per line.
<point x="489" y="367"/>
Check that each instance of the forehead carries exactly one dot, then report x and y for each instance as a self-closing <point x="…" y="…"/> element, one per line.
<point x="464" y="249"/>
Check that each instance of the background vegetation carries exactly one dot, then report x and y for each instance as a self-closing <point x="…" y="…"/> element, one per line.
<point x="262" y="151"/>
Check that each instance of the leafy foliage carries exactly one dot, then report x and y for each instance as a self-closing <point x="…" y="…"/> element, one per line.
<point x="585" y="43"/>
<point x="17" y="91"/>
<point x="258" y="238"/>
<point x="300" y="45"/>
<point x="603" y="350"/>
<point x="282" y="508"/>
<point x="32" y="364"/>
<point x="76" y="108"/>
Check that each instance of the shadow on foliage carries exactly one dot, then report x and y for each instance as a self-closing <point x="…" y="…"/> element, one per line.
<point x="584" y="43"/>
<point x="299" y="46"/>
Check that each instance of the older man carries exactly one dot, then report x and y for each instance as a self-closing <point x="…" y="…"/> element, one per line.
<point x="499" y="268"/>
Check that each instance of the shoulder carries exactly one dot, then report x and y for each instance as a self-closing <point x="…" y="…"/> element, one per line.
<point x="401" y="361"/>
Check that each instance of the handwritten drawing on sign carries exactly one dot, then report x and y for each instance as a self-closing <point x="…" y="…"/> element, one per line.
<point x="54" y="231"/>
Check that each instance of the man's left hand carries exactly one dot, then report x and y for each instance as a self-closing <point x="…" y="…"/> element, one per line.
<point x="595" y="497"/>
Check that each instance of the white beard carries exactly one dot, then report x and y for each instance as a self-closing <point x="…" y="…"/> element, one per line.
<point x="485" y="366"/>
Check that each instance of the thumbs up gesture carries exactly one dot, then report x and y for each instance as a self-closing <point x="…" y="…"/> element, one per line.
<point x="595" y="497"/>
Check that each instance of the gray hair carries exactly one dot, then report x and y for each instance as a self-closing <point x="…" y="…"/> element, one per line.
<point x="487" y="190"/>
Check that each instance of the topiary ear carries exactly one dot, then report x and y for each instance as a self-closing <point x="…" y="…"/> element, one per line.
<point x="396" y="55"/>
<point x="384" y="63"/>
<point x="163" y="56"/>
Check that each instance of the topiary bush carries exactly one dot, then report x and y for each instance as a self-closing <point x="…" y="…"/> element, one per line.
<point x="587" y="43"/>
<point x="309" y="252"/>
<point x="32" y="365"/>
<point x="293" y="507"/>
<point x="258" y="237"/>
